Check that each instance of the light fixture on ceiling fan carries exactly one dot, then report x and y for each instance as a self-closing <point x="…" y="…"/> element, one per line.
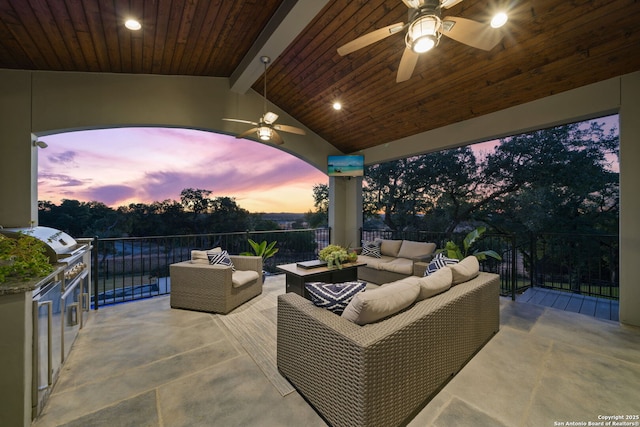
<point x="423" y="32"/>
<point x="266" y="127"/>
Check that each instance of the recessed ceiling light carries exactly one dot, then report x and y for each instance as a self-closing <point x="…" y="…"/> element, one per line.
<point x="499" y="19"/>
<point x="337" y="106"/>
<point x="132" y="24"/>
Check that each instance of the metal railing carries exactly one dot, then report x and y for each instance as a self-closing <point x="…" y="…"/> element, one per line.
<point x="131" y="268"/>
<point x="579" y="263"/>
<point x="126" y="269"/>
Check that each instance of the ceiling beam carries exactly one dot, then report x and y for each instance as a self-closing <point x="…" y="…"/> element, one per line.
<point x="289" y="20"/>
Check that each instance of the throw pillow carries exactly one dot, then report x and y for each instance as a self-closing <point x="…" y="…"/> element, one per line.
<point x="435" y="283"/>
<point x="200" y="257"/>
<point x="376" y="304"/>
<point x="438" y="262"/>
<point x="220" y="258"/>
<point x="333" y="296"/>
<point x="371" y="249"/>
<point x="465" y="270"/>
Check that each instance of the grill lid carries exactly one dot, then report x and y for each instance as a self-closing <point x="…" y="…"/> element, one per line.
<point x="59" y="244"/>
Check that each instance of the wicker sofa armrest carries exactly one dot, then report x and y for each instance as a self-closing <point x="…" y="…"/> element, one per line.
<point x="419" y="268"/>
<point x="247" y="263"/>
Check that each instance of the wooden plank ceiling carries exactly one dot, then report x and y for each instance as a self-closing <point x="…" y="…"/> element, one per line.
<point x="550" y="46"/>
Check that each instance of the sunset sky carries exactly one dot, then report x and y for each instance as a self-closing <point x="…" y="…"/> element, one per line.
<point x="142" y="165"/>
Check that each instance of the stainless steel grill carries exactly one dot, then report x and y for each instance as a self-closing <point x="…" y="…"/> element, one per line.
<point x="60" y="246"/>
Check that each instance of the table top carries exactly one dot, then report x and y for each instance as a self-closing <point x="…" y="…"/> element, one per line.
<point x="302" y="272"/>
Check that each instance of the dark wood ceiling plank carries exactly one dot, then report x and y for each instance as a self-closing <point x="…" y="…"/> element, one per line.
<point x="96" y="31"/>
<point x="184" y="34"/>
<point x="212" y="45"/>
<point x="192" y="49"/>
<point x="46" y="17"/>
<point x="171" y="40"/>
<point x="23" y="24"/>
<point x="161" y="35"/>
<point x="112" y="25"/>
<point x="77" y="16"/>
<point x="135" y="38"/>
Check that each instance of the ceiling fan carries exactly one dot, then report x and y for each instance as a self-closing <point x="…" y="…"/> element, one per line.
<point x="266" y="127"/>
<point x="423" y="33"/>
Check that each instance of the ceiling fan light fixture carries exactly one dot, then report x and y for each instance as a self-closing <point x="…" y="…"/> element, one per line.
<point x="499" y="19"/>
<point x="270" y="117"/>
<point x="424" y="33"/>
<point x="264" y="133"/>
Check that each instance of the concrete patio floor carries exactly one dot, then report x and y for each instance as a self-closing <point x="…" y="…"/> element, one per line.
<point x="144" y="364"/>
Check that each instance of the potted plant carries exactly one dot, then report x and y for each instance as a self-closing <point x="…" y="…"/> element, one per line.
<point x="22" y="258"/>
<point x="452" y="250"/>
<point x="334" y="255"/>
<point x="262" y="249"/>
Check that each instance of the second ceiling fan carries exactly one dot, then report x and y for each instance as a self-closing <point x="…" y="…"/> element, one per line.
<point x="266" y="127"/>
<point x="423" y="33"/>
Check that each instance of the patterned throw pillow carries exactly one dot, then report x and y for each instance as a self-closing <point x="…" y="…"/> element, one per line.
<point x="333" y="296"/>
<point x="438" y="262"/>
<point x="220" y="258"/>
<point x="371" y="249"/>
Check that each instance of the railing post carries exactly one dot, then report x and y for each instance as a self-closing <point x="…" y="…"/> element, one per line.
<point x="514" y="265"/>
<point x="94" y="272"/>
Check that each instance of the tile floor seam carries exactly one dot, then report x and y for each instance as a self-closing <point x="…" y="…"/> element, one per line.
<point x="155" y="389"/>
<point x="539" y="375"/>
<point x="121" y="373"/>
<point x="229" y="335"/>
<point x="159" y="409"/>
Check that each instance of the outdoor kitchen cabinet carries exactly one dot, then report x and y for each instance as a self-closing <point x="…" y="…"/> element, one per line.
<point x="39" y="322"/>
<point x="16" y="349"/>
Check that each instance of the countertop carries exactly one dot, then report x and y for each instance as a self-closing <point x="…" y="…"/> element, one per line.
<point x="17" y="287"/>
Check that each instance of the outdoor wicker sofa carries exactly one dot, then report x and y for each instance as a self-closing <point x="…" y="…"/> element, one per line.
<point x="383" y="373"/>
<point x="215" y="288"/>
<point x="397" y="259"/>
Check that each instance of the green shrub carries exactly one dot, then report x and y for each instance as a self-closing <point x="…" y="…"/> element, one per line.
<point x="22" y="258"/>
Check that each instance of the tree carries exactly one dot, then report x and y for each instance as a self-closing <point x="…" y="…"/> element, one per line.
<point x="551" y="179"/>
<point x="227" y="216"/>
<point x="319" y="217"/>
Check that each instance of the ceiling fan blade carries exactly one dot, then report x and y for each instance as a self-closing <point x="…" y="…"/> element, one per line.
<point x="446" y="4"/>
<point x="369" y="38"/>
<point x="276" y="139"/>
<point x="412" y="4"/>
<point x="247" y="133"/>
<point x="241" y="121"/>
<point x="471" y="33"/>
<point x="290" y="129"/>
<point x="407" y="64"/>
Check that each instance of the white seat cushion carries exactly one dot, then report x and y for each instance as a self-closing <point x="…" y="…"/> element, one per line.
<point x="375" y="263"/>
<point x="398" y="265"/>
<point x="241" y="278"/>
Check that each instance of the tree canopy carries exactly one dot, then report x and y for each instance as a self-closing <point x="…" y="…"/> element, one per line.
<point x="557" y="179"/>
<point x="196" y="213"/>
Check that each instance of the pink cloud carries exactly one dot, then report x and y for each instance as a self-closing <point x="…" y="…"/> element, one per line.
<point x="144" y="165"/>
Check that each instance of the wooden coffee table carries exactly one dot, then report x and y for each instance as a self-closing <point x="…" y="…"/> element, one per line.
<point x="296" y="276"/>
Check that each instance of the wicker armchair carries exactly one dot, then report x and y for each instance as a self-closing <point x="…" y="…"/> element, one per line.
<point x="215" y="288"/>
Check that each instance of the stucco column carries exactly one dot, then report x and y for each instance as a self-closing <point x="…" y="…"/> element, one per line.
<point x="18" y="176"/>
<point x="345" y="210"/>
<point x="629" y="200"/>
